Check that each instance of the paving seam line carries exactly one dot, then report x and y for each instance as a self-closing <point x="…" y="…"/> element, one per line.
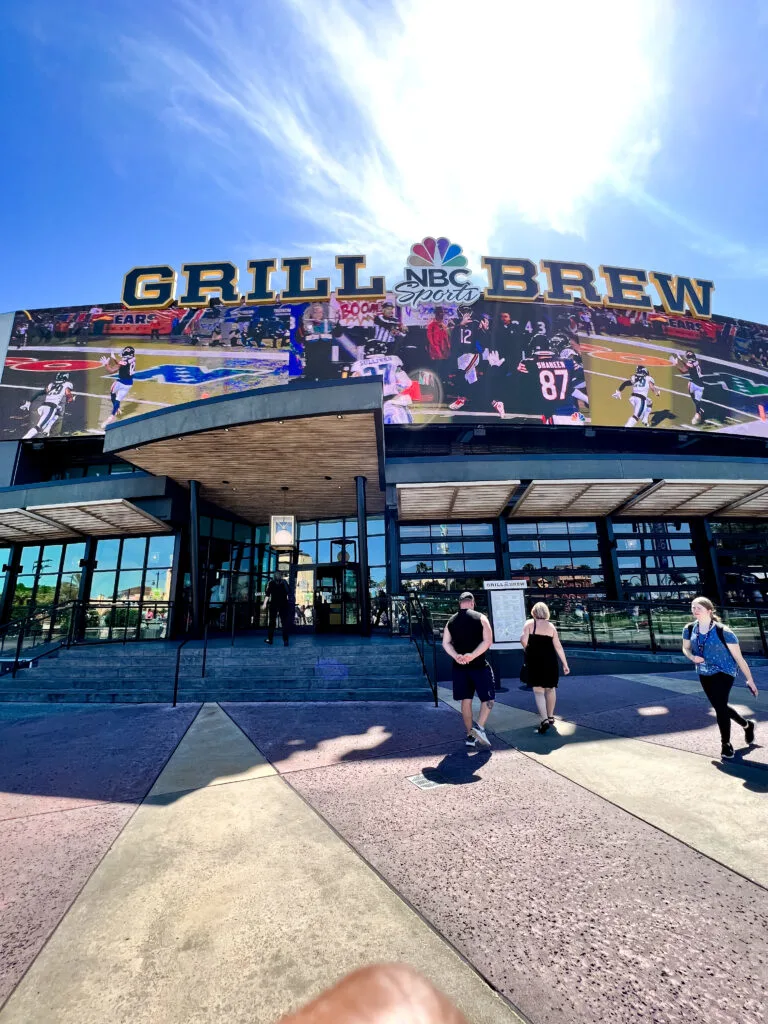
<point x="403" y="899"/>
<point x="97" y="865"/>
<point x="632" y="814"/>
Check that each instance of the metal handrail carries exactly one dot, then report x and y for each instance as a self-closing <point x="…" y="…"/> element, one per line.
<point x="422" y="638"/>
<point x="178" y="666"/>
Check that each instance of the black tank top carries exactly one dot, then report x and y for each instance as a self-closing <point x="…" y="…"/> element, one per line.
<point x="466" y="630"/>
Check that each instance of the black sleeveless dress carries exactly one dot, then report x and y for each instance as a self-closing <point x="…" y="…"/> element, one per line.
<point x="541" y="660"/>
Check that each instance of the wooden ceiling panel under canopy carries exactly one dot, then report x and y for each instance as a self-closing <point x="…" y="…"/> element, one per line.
<point x="246" y="449"/>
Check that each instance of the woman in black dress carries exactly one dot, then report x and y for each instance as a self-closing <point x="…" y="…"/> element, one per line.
<point x="542" y="649"/>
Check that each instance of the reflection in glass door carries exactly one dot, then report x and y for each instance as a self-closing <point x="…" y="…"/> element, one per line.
<point x="335" y="598"/>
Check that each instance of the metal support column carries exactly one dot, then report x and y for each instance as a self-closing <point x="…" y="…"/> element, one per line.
<point x="87" y="564"/>
<point x="11" y="570"/>
<point x="194" y="552"/>
<point x="503" y="547"/>
<point x="706" y="559"/>
<point x="393" y="551"/>
<point x="362" y="557"/>
<point x="606" y="545"/>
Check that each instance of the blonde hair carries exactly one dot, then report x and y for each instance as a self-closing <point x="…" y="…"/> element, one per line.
<point x="706" y="603"/>
<point x="540" y="610"/>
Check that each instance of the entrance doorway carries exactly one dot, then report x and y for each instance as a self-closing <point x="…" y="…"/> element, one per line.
<point x="336" y="600"/>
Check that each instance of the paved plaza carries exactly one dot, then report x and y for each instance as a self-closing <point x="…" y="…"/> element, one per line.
<point x="229" y="862"/>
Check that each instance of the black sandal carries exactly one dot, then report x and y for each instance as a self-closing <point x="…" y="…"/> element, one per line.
<point x="543" y="727"/>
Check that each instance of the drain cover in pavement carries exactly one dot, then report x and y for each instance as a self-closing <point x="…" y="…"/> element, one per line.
<point x="422" y="782"/>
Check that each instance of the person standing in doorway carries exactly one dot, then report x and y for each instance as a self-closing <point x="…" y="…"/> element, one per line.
<point x="278" y="601"/>
<point x="466" y="638"/>
<point x="716" y="653"/>
<point x="542" y="649"/>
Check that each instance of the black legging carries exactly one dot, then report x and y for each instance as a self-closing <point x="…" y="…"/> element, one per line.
<point x="717" y="688"/>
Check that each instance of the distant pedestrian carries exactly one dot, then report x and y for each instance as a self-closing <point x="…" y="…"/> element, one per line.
<point x="542" y="649"/>
<point x="714" y="650"/>
<point x="466" y="638"/>
<point x="278" y="601"/>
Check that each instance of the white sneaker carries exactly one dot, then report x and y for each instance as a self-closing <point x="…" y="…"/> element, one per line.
<point x="457" y="404"/>
<point x="480" y="736"/>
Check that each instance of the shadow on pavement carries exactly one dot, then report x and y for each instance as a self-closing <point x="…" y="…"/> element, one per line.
<point x="458" y="769"/>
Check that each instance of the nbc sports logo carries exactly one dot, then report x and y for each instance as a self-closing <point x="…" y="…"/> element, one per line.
<point x="436" y="271"/>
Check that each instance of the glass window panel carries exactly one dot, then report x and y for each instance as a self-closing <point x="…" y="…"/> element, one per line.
<point x="628" y="544"/>
<point x="5" y="556"/>
<point x="523" y="545"/>
<point x="205" y="526"/>
<point x="587" y="563"/>
<point x="51" y="558"/>
<point x="447" y="547"/>
<point x="218" y="588"/>
<point x="584" y="545"/>
<point x="106" y="553"/>
<point x="547" y="527"/>
<point x="308" y="548"/>
<point x="307" y="531"/>
<point x="559" y="544"/>
<point x="407" y="530"/>
<point x="222" y="529"/>
<point x="161" y="552"/>
<point x="30" y="556"/>
<point x="96" y="469"/>
<point x="525" y="564"/>
<point x="103" y="586"/>
<point x="680" y="543"/>
<point x="73" y="555"/>
<point x="415" y="567"/>
<point x="629" y="563"/>
<point x="415" y="547"/>
<point x="518" y="528"/>
<point x="445" y="530"/>
<point x="582" y="528"/>
<point x="480" y="565"/>
<point x="121" y="468"/>
<point x="134" y="552"/>
<point x="685" y="561"/>
<point x="477" y="529"/>
<point x="377" y="551"/>
<point x="243" y="533"/>
<point x="46" y="588"/>
<point x="240" y="586"/>
<point x="22" y="595"/>
<point x="69" y="588"/>
<point x="331" y="528"/>
<point x="129" y="586"/>
<point x="441" y="565"/>
<point x="563" y="562"/>
<point x="350" y="527"/>
<point x="478" y="547"/>
<point x="157" y="584"/>
<point x="324" y="551"/>
<point x="375" y="525"/>
<point x="456" y="565"/>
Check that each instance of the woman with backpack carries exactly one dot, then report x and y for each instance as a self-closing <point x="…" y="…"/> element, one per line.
<point x="715" y="652"/>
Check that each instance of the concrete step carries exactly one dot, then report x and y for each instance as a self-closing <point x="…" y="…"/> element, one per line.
<point x="251" y="695"/>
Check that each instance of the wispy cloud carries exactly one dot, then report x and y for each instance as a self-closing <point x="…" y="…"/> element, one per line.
<point x="386" y="121"/>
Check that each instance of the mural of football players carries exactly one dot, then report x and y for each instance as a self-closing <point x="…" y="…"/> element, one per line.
<point x="690" y="368"/>
<point x="386" y="331"/>
<point x="399" y="390"/>
<point x="125" y="366"/>
<point x="320" y="332"/>
<point x="438" y="336"/>
<point x="641" y="385"/>
<point x="55" y="396"/>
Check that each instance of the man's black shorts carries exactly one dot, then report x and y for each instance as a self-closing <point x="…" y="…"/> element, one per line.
<point x="469" y="680"/>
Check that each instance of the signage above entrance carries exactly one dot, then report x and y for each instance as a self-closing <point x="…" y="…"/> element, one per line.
<point x="436" y="272"/>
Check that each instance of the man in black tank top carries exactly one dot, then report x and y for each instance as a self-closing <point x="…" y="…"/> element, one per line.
<point x="466" y="638"/>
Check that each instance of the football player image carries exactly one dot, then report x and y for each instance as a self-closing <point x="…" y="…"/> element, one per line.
<point x="690" y="368"/>
<point x="642" y="386"/>
<point x="569" y="349"/>
<point x="125" y="366"/>
<point x="56" y="396"/>
<point x="386" y="330"/>
<point x="399" y="390"/>
<point x="438" y="338"/>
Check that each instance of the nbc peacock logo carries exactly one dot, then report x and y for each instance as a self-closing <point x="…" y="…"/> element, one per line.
<point x="436" y="271"/>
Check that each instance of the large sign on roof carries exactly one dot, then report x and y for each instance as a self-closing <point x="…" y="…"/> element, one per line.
<point x="445" y="349"/>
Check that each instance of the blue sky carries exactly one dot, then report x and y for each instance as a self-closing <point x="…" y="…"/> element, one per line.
<point x="138" y="132"/>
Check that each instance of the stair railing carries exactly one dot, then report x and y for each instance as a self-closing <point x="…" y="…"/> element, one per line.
<point x="422" y="632"/>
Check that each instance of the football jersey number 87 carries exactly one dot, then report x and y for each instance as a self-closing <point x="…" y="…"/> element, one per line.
<point x="554" y="384"/>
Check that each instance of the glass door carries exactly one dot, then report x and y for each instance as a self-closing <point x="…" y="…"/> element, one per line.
<point x="335" y="598"/>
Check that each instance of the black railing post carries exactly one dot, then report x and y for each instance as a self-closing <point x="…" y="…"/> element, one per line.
<point x="194" y="552"/>
<point x="651" y="631"/>
<point x="19" y="642"/>
<point x="591" y="617"/>
<point x="761" y="627"/>
<point x="205" y="647"/>
<point x="362" y="557"/>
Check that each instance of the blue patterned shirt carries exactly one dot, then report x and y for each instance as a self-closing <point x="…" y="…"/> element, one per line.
<point x="717" y="657"/>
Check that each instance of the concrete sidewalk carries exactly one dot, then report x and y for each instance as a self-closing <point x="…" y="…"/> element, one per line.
<point x="226" y="897"/>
